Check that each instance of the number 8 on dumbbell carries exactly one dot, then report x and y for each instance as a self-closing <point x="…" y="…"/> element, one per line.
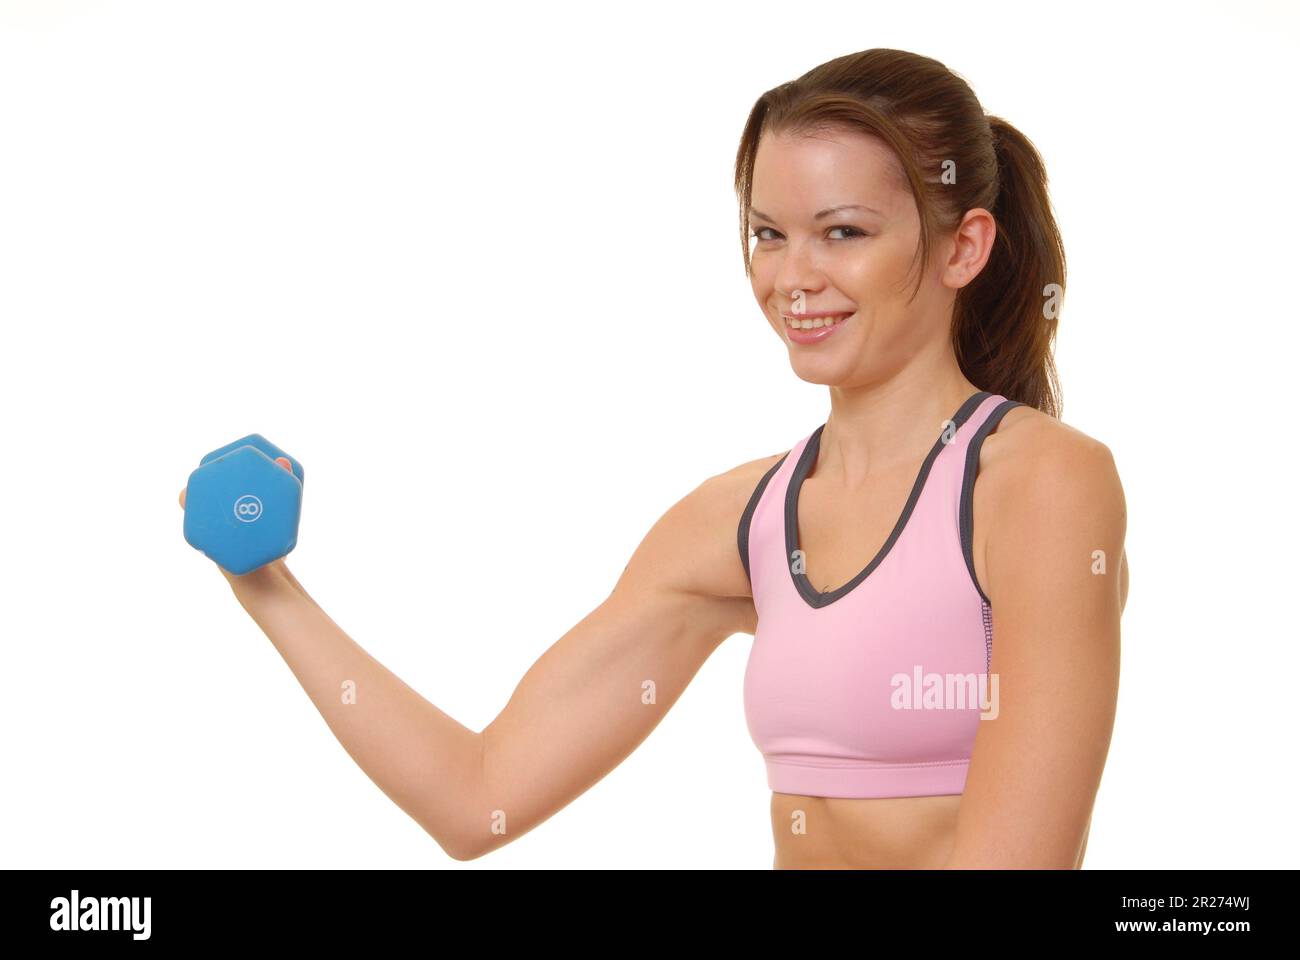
<point x="241" y="507"/>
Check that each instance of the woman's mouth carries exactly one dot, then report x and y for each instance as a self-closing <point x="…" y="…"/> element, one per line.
<point x="805" y="328"/>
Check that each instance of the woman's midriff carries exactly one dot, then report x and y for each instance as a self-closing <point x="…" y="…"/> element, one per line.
<point x="896" y="833"/>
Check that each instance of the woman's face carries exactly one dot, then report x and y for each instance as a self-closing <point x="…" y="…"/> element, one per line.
<point x="835" y="231"/>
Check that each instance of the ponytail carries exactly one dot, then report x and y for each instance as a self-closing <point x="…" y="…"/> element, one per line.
<point x="1004" y="321"/>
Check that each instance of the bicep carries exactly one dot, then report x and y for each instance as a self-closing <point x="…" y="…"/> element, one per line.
<point x="599" y="691"/>
<point x="1055" y="566"/>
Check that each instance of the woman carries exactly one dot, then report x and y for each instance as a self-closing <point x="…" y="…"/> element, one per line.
<point x="935" y="663"/>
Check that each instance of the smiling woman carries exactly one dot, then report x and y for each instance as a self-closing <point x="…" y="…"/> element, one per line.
<point x="878" y="578"/>
<point x="905" y="252"/>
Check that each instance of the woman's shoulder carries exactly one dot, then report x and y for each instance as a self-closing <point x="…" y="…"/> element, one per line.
<point x="691" y="548"/>
<point x="1036" y="469"/>
<point x="729" y="492"/>
<point x="1028" y="441"/>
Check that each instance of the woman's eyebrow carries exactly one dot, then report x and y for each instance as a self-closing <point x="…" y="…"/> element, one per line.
<point x="754" y="212"/>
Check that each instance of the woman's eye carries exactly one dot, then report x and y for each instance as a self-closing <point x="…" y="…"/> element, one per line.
<point x="852" y="231"/>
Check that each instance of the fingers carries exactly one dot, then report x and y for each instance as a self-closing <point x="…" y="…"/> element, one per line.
<point x="183" y="489"/>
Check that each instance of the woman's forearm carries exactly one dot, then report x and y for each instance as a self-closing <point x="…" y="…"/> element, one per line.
<point x="425" y="761"/>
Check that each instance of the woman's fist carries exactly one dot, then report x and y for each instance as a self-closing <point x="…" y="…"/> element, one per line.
<point x="275" y="568"/>
<point x="282" y="461"/>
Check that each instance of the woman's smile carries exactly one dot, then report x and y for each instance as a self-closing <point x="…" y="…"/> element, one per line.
<point x="804" y="329"/>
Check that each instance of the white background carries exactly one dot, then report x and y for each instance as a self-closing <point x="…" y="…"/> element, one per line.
<point x="479" y="271"/>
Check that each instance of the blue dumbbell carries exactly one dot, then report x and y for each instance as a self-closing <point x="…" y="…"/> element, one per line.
<point x="241" y="507"/>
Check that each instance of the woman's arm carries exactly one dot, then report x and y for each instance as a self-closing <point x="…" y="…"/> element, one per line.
<point x="586" y="703"/>
<point x="1057" y="582"/>
<point x="602" y="688"/>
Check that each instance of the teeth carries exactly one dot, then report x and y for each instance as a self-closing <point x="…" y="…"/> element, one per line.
<point x="813" y="324"/>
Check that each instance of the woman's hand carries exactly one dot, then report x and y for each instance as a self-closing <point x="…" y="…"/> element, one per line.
<point x="268" y="577"/>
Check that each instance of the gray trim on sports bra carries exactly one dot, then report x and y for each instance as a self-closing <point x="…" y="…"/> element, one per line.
<point x="966" y="515"/>
<point x="802" y="584"/>
<point x="742" y="530"/>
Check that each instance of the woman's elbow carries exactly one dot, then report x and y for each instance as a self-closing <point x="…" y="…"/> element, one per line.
<point x="459" y="845"/>
<point x="463" y="854"/>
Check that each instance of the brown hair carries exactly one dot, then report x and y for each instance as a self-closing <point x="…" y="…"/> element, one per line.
<point x="1004" y="321"/>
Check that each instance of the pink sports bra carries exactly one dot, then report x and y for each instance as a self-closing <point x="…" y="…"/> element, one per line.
<point x="874" y="689"/>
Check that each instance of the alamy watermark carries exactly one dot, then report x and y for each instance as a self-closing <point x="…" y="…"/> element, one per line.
<point x="945" y="691"/>
<point x="102" y="913"/>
